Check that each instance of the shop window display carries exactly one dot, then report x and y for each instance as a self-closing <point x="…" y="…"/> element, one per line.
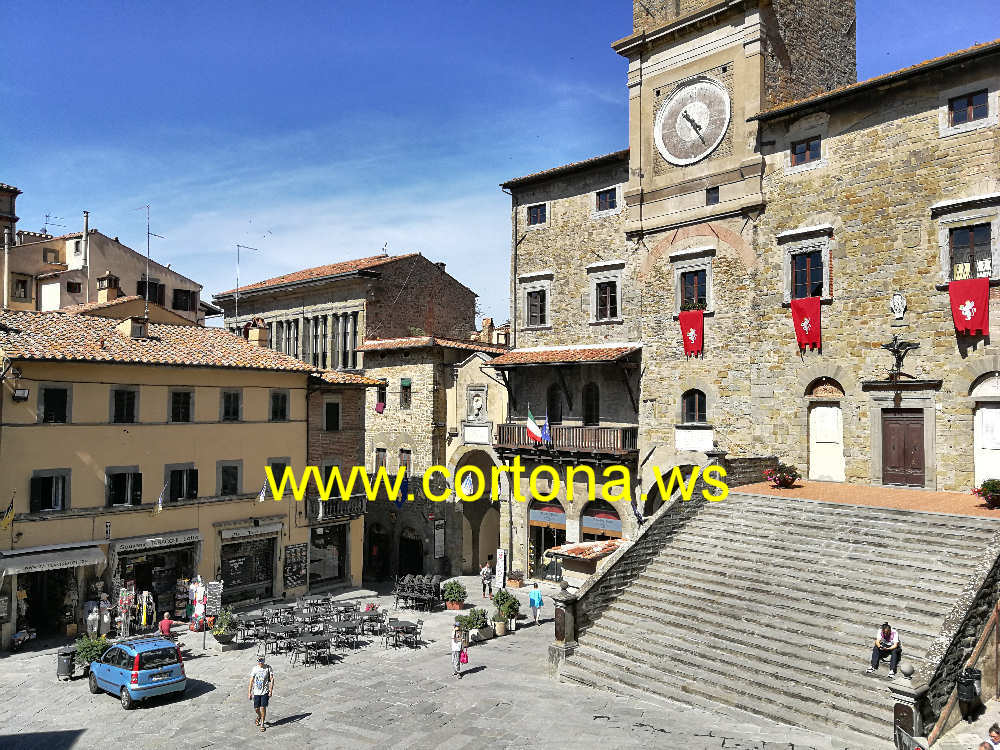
<point x="327" y="554"/>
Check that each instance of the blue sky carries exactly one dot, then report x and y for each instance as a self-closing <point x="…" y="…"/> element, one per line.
<point x="321" y="131"/>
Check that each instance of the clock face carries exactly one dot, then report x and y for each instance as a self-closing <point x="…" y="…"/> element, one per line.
<point x="692" y="121"/>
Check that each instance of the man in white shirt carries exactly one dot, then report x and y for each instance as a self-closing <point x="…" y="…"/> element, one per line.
<point x="886" y="645"/>
<point x="259" y="690"/>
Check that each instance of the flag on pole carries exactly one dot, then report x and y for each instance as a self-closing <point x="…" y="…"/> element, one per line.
<point x="159" y="502"/>
<point x="534" y="433"/>
<point x="8" y="515"/>
<point x="263" y="493"/>
<point x="546" y="432"/>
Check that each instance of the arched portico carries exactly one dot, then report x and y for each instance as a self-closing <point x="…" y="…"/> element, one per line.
<point x="481" y="517"/>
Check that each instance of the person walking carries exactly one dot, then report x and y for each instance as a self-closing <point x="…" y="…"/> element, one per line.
<point x="486" y="573"/>
<point x="260" y="690"/>
<point x="535" y="602"/>
<point x="457" y="649"/>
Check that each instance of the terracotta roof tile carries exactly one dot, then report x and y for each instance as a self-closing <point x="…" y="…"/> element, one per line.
<point x="338" y="377"/>
<point x="82" y="338"/>
<point x="85" y="307"/>
<point x="566" y="168"/>
<point x="319" y="272"/>
<point x="877" y="80"/>
<point x="420" y="342"/>
<point x="587" y="550"/>
<point x="550" y="355"/>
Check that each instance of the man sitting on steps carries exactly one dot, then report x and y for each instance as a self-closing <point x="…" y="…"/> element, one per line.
<point x="886" y="645"/>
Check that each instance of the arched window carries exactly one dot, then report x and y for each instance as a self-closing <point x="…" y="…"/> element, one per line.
<point x="591" y="404"/>
<point x="553" y="405"/>
<point x="693" y="406"/>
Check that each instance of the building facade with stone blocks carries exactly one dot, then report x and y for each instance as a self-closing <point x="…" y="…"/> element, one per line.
<point x="322" y="315"/>
<point x="436" y="407"/>
<point x="136" y="451"/>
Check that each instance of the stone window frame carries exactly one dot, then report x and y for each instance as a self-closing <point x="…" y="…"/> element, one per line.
<point x="67" y="474"/>
<point x="992" y="119"/>
<point x="286" y="460"/>
<point x="599" y="273"/>
<point x="619" y="202"/>
<point x="806" y="240"/>
<point x="270" y="404"/>
<point x="238" y="463"/>
<point x="548" y="216"/>
<point x="111" y="402"/>
<point x="28" y="287"/>
<point x="534" y="282"/>
<point x="694" y="259"/>
<point x="811" y="126"/>
<point x="131" y="470"/>
<point x="966" y="212"/>
<point x="711" y="398"/>
<point x="170" y="404"/>
<point x="41" y="387"/>
<point x="183" y="466"/>
<point x="222" y="405"/>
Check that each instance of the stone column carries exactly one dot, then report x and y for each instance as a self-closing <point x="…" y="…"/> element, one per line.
<point x="565" y="629"/>
<point x="907" y="699"/>
<point x="350" y="341"/>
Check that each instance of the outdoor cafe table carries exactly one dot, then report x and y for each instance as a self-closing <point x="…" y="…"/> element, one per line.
<point x="284" y="629"/>
<point x="346" y="626"/>
<point x="402" y="626"/>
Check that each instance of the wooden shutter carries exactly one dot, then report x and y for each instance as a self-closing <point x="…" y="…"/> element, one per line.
<point x="39" y="486"/>
<point x="136" y="498"/>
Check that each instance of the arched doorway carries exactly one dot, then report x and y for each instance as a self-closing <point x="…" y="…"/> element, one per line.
<point x="378" y="552"/>
<point x="546" y="529"/>
<point x="411" y="552"/>
<point x="600" y="520"/>
<point x="986" y="427"/>
<point x="826" y="431"/>
<point x="481" y="517"/>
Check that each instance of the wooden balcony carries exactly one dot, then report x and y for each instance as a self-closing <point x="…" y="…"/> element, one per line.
<point x="572" y="439"/>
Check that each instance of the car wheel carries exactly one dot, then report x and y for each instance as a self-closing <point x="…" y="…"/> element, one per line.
<point x="94" y="687"/>
<point x="127" y="703"/>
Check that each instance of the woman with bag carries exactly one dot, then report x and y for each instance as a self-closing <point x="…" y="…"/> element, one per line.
<point x="459" y="655"/>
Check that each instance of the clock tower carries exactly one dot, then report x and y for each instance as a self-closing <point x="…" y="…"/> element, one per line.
<point x="698" y="70"/>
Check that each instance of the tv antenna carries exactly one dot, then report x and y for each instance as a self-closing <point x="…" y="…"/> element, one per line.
<point x="236" y="315"/>
<point x="50" y="223"/>
<point x="148" y="235"/>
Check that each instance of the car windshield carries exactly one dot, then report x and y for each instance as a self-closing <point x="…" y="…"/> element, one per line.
<point x="156" y="658"/>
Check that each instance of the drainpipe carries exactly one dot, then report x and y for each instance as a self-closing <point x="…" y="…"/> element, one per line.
<point x="6" y="268"/>
<point x="86" y="248"/>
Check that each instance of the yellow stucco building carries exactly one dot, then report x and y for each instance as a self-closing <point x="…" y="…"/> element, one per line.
<point x="100" y="418"/>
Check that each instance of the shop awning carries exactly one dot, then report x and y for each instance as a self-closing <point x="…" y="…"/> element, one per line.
<point x="52" y="560"/>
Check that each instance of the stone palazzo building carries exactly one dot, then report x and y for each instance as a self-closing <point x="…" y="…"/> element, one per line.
<point x="759" y="173"/>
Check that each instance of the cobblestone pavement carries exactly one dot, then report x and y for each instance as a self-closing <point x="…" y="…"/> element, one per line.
<point x="373" y="697"/>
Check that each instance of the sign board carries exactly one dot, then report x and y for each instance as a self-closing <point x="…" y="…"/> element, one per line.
<point x="295" y="565"/>
<point x="213" y="598"/>
<point x="439" y="539"/>
<point x="500" y="576"/>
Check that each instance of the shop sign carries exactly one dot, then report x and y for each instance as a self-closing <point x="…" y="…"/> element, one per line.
<point x="295" y="565"/>
<point x="264" y="528"/>
<point x="547" y="516"/>
<point x="183" y="537"/>
<point x="213" y="598"/>
<point x="439" y="539"/>
<point x="500" y="574"/>
<point x="602" y="524"/>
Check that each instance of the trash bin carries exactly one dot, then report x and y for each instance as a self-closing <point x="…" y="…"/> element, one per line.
<point x="67" y="663"/>
<point x="970" y="684"/>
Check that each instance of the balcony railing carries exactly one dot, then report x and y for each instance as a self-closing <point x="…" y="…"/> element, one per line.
<point x="571" y="438"/>
<point x="334" y="508"/>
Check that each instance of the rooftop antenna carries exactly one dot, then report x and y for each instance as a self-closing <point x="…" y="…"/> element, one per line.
<point x="236" y="315"/>
<point x="49" y="222"/>
<point x="385" y="249"/>
<point x="146" y="282"/>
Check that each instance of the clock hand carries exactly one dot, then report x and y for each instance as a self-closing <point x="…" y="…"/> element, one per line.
<point x="694" y="125"/>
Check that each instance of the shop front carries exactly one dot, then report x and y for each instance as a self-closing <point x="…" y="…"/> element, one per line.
<point x="248" y="561"/>
<point x="600" y="521"/>
<point x="162" y="565"/>
<point x="329" y="555"/>
<point x="48" y="586"/>
<point x="546" y="529"/>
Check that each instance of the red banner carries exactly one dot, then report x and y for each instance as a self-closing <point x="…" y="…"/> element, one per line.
<point x="806" y="317"/>
<point x="970" y="305"/>
<point x="693" y="331"/>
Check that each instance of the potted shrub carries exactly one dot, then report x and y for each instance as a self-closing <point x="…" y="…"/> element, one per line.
<point x="508" y="608"/>
<point x="783" y="476"/>
<point x="224" y="627"/>
<point x="989" y="491"/>
<point x="499" y="623"/>
<point x="90" y="649"/>
<point x="515" y="579"/>
<point x="475" y="622"/>
<point x="454" y="594"/>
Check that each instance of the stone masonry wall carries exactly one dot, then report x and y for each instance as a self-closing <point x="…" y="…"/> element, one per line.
<point x="651" y="14"/>
<point x="885" y="164"/>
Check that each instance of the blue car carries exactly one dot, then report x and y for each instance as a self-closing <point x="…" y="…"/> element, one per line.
<point x="138" y="669"/>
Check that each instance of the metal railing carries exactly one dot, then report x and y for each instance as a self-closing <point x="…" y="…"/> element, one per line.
<point x="334" y="508"/>
<point x="572" y="438"/>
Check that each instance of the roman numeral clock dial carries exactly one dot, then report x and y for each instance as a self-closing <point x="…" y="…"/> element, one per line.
<point x="691" y="122"/>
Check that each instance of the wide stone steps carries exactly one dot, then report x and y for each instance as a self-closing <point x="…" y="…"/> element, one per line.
<point x="770" y="605"/>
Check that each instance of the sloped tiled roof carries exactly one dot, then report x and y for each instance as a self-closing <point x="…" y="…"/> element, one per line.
<point x="552" y="355"/>
<point x="587" y="550"/>
<point x="338" y="377"/>
<point x="595" y="161"/>
<point x="84" y="338"/>
<point x="320" y="272"/>
<point x="869" y="83"/>
<point x="85" y="307"/>
<point x="421" y="342"/>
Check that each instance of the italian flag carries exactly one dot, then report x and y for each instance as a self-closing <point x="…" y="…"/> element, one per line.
<point x="534" y="433"/>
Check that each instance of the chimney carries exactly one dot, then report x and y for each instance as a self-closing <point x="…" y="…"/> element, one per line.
<point x="257" y="333"/>
<point x="487" y="334"/>
<point x="107" y="287"/>
<point x="134" y="328"/>
<point x="441" y="264"/>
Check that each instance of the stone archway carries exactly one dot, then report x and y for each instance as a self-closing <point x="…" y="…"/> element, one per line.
<point x="481" y="517"/>
<point x="826" y="429"/>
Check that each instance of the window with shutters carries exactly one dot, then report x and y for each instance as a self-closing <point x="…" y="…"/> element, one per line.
<point x="279" y="406"/>
<point x="278" y="466"/>
<point x="157" y="291"/>
<point x="230" y="475"/>
<point x="49" y="490"/>
<point x="807" y="274"/>
<point x="379" y="458"/>
<point x="54" y="406"/>
<point x="74" y="287"/>
<point x="124" y="486"/>
<point x="182" y="482"/>
<point x="591" y="404"/>
<point x="693" y="406"/>
<point x="181" y="406"/>
<point x="185" y="299"/>
<point x="331" y="415"/>
<point x="124" y="405"/>
<point x="405" y="460"/>
<point x="536" y="308"/>
<point x="405" y="393"/>
<point x="605" y="284"/>
<point x="232" y="406"/>
<point x="971" y="252"/>
<point x="381" y="394"/>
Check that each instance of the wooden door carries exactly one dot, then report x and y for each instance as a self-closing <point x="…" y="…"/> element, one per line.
<point x="826" y="443"/>
<point x="903" y="447"/>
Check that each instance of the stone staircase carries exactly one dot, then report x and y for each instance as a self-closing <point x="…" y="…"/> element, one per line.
<point x="770" y="606"/>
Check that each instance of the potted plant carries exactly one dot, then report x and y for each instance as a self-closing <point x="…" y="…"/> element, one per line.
<point x="224" y="627"/>
<point x="499" y="623"/>
<point x="508" y="608"/>
<point x="90" y="649"/>
<point x="515" y="579"/>
<point x="989" y="491"/>
<point x="687" y="306"/>
<point x="454" y="594"/>
<point x="475" y="622"/>
<point x="783" y="475"/>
